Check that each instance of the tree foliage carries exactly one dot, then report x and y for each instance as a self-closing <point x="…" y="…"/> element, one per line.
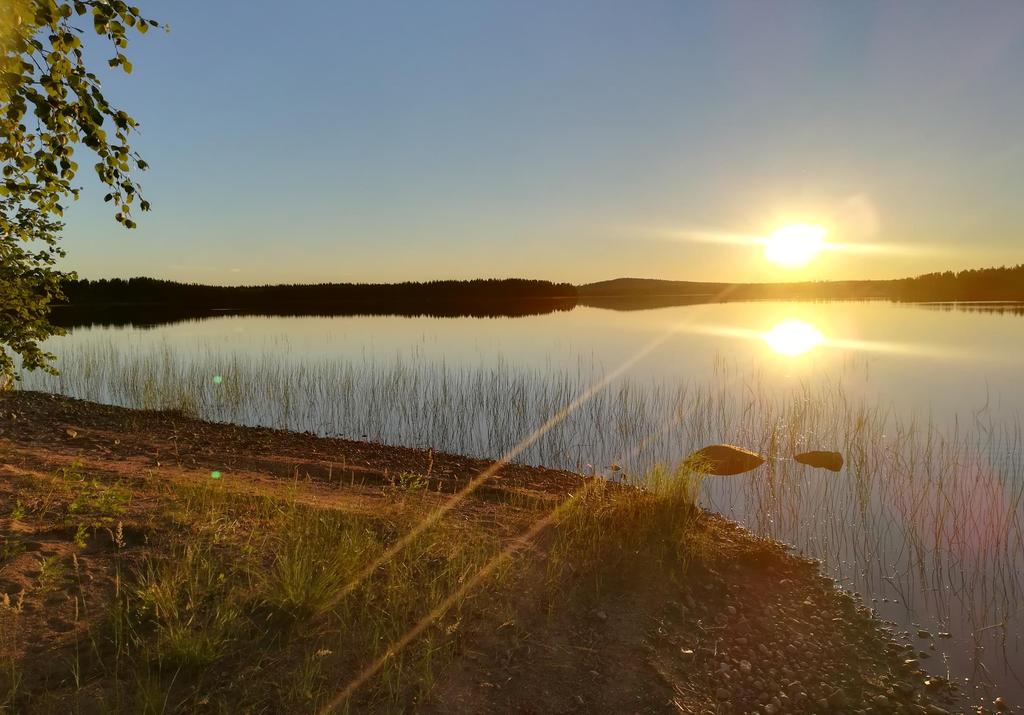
<point x="52" y="105"/>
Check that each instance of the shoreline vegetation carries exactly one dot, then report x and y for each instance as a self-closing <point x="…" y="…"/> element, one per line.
<point x="149" y="300"/>
<point x="153" y="562"/>
<point x="924" y="521"/>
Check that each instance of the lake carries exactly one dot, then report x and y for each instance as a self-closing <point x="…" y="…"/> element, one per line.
<point x="925" y="520"/>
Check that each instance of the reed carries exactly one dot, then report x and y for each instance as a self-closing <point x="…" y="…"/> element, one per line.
<point x="925" y="520"/>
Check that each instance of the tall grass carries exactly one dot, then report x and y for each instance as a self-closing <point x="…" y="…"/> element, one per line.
<point x="252" y="591"/>
<point x="609" y="532"/>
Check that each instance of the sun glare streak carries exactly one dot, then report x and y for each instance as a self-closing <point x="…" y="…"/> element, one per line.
<point x="665" y="426"/>
<point x="851" y="248"/>
<point x="438" y="611"/>
<point x="792" y="337"/>
<point x="493" y="469"/>
<point x="514" y="452"/>
<point x="496" y="466"/>
<point x="452" y="501"/>
<point x="722" y="238"/>
<point x="795" y="245"/>
<point x="518" y="544"/>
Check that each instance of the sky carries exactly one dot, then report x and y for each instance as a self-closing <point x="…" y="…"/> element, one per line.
<point x="570" y="140"/>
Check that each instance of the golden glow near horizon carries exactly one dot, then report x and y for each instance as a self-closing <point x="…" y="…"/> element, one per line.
<point x="793" y="337"/>
<point x="795" y="245"/>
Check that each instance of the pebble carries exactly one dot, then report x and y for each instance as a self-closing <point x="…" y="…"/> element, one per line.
<point x="780" y="689"/>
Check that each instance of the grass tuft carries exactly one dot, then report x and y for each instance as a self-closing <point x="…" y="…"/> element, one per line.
<point x="610" y="530"/>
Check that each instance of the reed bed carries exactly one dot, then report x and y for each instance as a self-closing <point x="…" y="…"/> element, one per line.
<point x="925" y="521"/>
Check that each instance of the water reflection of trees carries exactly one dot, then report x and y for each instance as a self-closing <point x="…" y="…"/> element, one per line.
<point x="147" y="316"/>
<point x="996" y="308"/>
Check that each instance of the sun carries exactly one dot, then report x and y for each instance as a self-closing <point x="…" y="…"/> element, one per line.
<point x="793" y="337"/>
<point x="795" y="245"/>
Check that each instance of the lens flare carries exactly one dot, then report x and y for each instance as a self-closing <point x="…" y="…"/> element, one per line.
<point x="793" y="337"/>
<point x="795" y="245"/>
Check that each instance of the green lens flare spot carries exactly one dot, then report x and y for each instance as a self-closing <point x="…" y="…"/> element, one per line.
<point x="217" y="379"/>
<point x="214" y="475"/>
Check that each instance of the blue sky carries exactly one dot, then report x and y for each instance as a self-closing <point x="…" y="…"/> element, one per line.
<point x="570" y="140"/>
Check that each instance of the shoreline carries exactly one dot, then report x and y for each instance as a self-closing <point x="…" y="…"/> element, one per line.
<point x="745" y="627"/>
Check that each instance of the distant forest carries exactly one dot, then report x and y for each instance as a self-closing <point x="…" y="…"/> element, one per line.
<point x="149" y="300"/>
<point x="983" y="284"/>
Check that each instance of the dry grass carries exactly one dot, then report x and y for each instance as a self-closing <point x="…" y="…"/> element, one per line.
<point x="246" y="602"/>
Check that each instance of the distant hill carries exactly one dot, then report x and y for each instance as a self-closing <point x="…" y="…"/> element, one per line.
<point x="648" y="286"/>
<point x="986" y="284"/>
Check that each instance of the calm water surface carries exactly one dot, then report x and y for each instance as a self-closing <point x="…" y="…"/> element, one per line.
<point x="925" y="521"/>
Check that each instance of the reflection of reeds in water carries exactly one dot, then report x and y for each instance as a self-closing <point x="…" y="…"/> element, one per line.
<point x="927" y="519"/>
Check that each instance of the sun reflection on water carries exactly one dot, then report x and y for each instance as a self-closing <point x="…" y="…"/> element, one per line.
<point x="793" y="337"/>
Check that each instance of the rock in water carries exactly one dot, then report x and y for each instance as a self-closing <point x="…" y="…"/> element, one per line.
<point x="724" y="460"/>
<point x="833" y="461"/>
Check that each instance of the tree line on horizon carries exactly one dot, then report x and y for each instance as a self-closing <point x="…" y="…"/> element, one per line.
<point x="986" y="284"/>
<point x="158" y="291"/>
<point x="1004" y="283"/>
<point x="979" y="284"/>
